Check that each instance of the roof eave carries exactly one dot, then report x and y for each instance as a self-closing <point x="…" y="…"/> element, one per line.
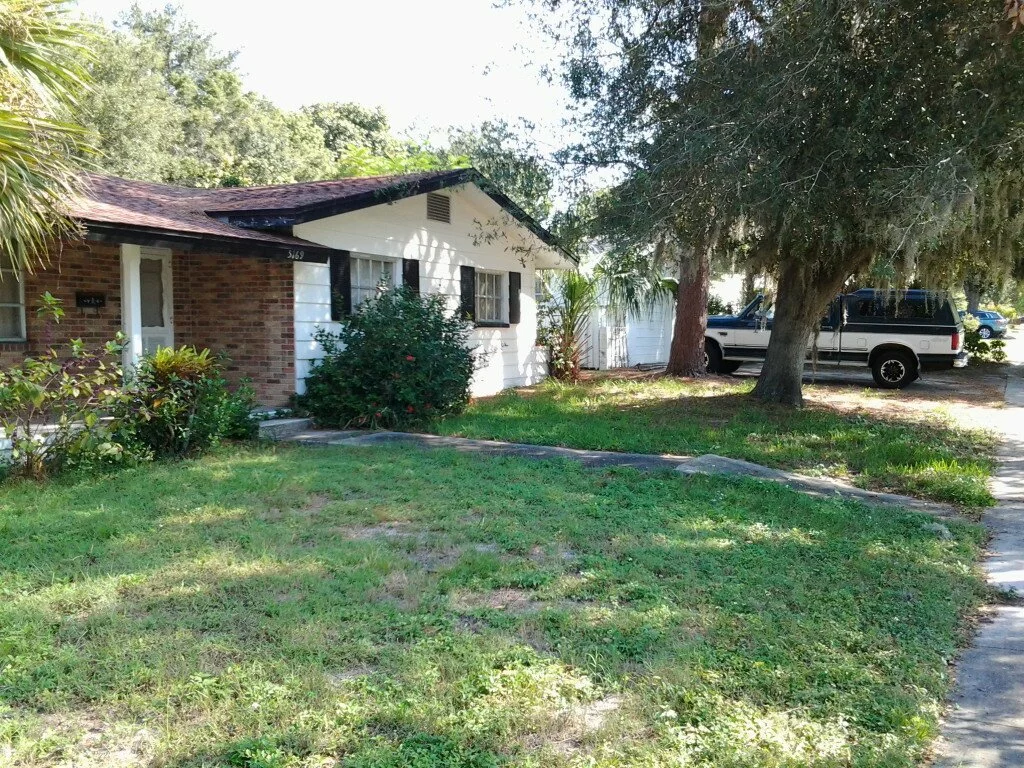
<point x="108" y="232"/>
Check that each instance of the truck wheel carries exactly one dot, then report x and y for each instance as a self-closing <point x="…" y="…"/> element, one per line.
<point x="894" y="369"/>
<point x="712" y="357"/>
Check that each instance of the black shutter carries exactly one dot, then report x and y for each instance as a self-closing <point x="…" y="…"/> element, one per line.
<point x="341" y="285"/>
<point x="515" y="287"/>
<point x="467" y="291"/>
<point x="411" y="274"/>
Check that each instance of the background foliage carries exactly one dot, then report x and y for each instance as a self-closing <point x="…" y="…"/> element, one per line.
<point x="169" y="106"/>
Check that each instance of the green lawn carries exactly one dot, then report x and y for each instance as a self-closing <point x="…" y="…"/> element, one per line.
<point x="387" y="607"/>
<point x="928" y="457"/>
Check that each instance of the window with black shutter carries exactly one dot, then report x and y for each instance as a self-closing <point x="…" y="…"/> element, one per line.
<point x="411" y="274"/>
<point x="341" y="285"/>
<point x="467" y="293"/>
<point x="515" y="288"/>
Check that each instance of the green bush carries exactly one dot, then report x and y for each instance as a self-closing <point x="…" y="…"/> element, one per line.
<point x="239" y="421"/>
<point x="564" y="323"/>
<point x="178" y="403"/>
<point x="982" y="350"/>
<point x="401" y="360"/>
<point x="716" y="306"/>
<point x="54" y="408"/>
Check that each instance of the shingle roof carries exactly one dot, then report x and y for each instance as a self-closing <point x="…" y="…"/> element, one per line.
<point x="242" y="215"/>
<point x="141" y="204"/>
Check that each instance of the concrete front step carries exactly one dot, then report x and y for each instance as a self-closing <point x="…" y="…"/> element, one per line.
<point x="283" y="429"/>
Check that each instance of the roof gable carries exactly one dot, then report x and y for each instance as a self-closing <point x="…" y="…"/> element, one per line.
<point x="264" y="216"/>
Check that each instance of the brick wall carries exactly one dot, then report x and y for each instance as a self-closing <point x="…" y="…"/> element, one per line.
<point x="73" y="267"/>
<point x="239" y="305"/>
<point x="243" y="307"/>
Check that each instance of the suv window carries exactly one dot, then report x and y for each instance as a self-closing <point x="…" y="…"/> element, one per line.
<point x="892" y="308"/>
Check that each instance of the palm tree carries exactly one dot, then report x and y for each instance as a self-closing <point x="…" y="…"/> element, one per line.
<point x="42" y="53"/>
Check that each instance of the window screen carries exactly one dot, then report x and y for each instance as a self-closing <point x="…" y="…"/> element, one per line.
<point x="490" y="300"/>
<point x="369" y="275"/>
<point x="151" y="292"/>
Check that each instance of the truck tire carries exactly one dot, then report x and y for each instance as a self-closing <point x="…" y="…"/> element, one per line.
<point x="894" y="369"/>
<point x="712" y="357"/>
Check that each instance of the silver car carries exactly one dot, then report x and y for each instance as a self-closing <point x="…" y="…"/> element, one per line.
<point x="991" y="324"/>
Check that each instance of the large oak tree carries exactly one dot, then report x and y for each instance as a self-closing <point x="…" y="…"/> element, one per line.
<point x="827" y="137"/>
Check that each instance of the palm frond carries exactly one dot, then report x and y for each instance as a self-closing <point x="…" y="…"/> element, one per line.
<point x="43" y="51"/>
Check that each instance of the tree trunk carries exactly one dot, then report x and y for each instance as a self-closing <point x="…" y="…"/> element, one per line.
<point x="686" y="355"/>
<point x="973" y="289"/>
<point x="748" y="291"/>
<point x="801" y="300"/>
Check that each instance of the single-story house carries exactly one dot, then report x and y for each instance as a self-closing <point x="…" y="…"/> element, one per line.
<point x="251" y="272"/>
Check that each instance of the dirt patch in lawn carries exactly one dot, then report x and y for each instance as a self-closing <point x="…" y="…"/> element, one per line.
<point x="510" y="600"/>
<point x="94" y="741"/>
<point x="394" y="530"/>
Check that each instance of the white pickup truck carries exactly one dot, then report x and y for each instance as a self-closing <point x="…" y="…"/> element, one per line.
<point x="898" y="334"/>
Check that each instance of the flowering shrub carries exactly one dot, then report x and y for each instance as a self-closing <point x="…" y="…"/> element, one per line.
<point x="401" y="360"/>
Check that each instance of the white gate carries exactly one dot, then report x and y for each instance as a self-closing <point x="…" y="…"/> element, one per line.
<point x="613" y="352"/>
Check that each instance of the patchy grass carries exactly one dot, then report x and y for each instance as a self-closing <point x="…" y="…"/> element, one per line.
<point x="389" y="607"/>
<point x="876" y="446"/>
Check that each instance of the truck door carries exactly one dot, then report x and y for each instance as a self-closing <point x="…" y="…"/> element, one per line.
<point x="753" y="332"/>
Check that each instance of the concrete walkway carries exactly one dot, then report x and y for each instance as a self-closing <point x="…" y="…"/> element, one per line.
<point x="985" y="728"/>
<point x="708" y="464"/>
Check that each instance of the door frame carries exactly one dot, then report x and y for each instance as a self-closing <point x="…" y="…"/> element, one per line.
<point x="162" y="255"/>
<point x="131" y="299"/>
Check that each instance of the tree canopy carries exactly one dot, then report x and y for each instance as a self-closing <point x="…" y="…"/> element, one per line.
<point x="169" y="105"/>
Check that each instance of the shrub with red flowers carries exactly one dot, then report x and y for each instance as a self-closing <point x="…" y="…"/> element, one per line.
<point x="401" y="360"/>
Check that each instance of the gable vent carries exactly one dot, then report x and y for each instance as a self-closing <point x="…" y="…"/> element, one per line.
<point x="439" y="207"/>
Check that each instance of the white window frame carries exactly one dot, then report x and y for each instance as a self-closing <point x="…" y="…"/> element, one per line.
<point x="12" y="273"/>
<point x="501" y="298"/>
<point x="360" y="293"/>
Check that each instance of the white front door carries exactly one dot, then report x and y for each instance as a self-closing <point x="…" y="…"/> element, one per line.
<point x="156" y="300"/>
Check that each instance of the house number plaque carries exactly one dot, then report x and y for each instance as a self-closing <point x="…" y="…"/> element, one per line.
<point x="89" y="300"/>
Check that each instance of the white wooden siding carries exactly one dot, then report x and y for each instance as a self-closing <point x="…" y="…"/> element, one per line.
<point x="401" y="230"/>
<point x="649" y="335"/>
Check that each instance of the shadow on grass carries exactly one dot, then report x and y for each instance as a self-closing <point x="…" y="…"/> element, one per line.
<point x="260" y="607"/>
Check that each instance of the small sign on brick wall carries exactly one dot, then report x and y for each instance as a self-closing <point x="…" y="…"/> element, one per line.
<point x="90" y="300"/>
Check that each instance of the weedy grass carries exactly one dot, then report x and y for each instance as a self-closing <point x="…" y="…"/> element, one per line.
<point x="929" y="457"/>
<point x="376" y="607"/>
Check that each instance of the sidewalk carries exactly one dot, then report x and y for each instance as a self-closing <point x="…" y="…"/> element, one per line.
<point x="985" y="728"/>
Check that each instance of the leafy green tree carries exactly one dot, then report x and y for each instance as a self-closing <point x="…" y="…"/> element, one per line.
<point x="406" y="157"/>
<point x="826" y="139"/>
<point x="169" y="106"/>
<point x="41" y="49"/>
<point x="134" y="123"/>
<point x="346" y="125"/>
<point x="506" y="158"/>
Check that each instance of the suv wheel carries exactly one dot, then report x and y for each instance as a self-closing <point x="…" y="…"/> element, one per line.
<point x="712" y="357"/>
<point x="985" y="332"/>
<point x="894" y="369"/>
